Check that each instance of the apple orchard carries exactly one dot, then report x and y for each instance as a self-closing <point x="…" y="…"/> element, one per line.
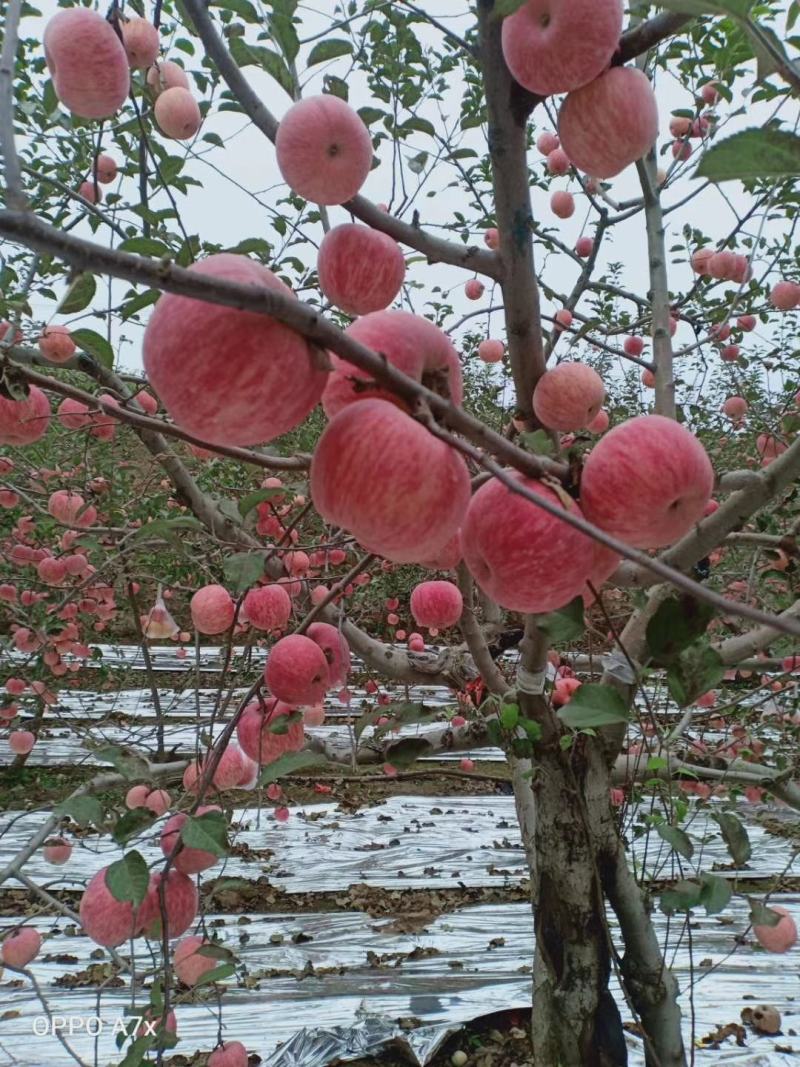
<point x="454" y="390"/>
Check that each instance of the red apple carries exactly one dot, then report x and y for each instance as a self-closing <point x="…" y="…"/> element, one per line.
<point x="382" y="476"/>
<point x="610" y="123"/>
<point x="228" y="376"/>
<point x="646" y="481"/>
<point x="557" y="47"/>
<point x="360" y="269"/>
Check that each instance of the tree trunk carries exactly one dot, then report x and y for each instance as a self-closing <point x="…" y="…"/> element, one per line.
<point x="575" y="1022"/>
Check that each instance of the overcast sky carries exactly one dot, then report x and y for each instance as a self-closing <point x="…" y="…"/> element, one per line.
<point x="222" y="209"/>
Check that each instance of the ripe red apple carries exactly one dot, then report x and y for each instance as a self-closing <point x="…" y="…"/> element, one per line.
<point x="165" y="74"/>
<point x="599" y="423"/>
<point x="212" y="609"/>
<point x="189" y="963"/>
<point x="413" y="344"/>
<point x="557" y="47"/>
<point x="779" y="938"/>
<point x="584" y="247"/>
<point x="147" y="402"/>
<point x="57" y="851"/>
<point x="563" y="318"/>
<point x="521" y="556"/>
<point x="188" y="860"/>
<point x="87" y="63"/>
<point x="609" y="123"/>
<point x="21" y="742"/>
<point x="785" y="295"/>
<point x="267" y="607"/>
<point x="297" y="671"/>
<point x="140" y="39"/>
<point x="648" y="379"/>
<point x="105" y="168"/>
<point x="568" y="397"/>
<point x="722" y="265"/>
<point x="558" y="162"/>
<point x="196" y="353"/>
<point x="735" y="407"/>
<point x="257" y="734"/>
<point x="701" y="260"/>
<point x="24" y="421"/>
<point x="474" y="289"/>
<point x="229" y="1054"/>
<point x="56" y="344"/>
<point x="547" y="142"/>
<point x="72" y="414"/>
<point x="180" y="905"/>
<point x="335" y="649"/>
<point x="71" y="509"/>
<point x="398" y="489"/>
<point x="491" y="351"/>
<point x="747" y="323"/>
<point x="562" y="204"/>
<point x="492" y="238"/>
<point x="324" y="150"/>
<point x="106" y="920"/>
<point x="646" y="481"/>
<point x="436" y="605"/>
<point x="177" y="114"/>
<point x="360" y="269"/>
<point x="20" y="947"/>
<point x="447" y="558"/>
<point x="634" y="346"/>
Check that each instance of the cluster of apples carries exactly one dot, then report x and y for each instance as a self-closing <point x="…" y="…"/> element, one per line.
<point x="90" y="60"/>
<point x="609" y="118"/>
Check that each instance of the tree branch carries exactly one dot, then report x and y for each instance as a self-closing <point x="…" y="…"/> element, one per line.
<point x="508" y="149"/>
<point x="471" y="257"/>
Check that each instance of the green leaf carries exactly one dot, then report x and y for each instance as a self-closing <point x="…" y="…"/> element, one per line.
<point x="502" y="8"/>
<point x="79" y="295"/>
<point x="128" y="764"/>
<point x="761" y="915"/>
<point x="715" y="895"/>
<point x="243" y="569"/>
<point x="96" y="345"/>
<point x="217" y="975"/>
<point x="767" y="48"/>
<point x="138" y="302"/>
<point x="83" y="810"/>
<point x="243" y="8"/>
<point x="735" y="836"/>
<point x="565" y="625"/>
<point x="132" y="823"/>
<point x="208" y="832"/>
<point x="252" y="500"/>
<point x="128" y="879"/>
<point x="677" y="839"/>
<point x="418" y="125"/>
<point x="683" y="896"/>
<point x="737" y="9"/>
<point x="539" y="442"/>
<point x="250" y="245"/>
<point x="594" y="705"/>
<point x="167" y="528"/>
<point x="256" y="55"/>
<point x="145" y="246"/>
<point x="292" y="761"/>
<point x="678" y="622"/>
<point x="509" y="716"/>
<point x="696" y="670"/>
<point x="329" y="49"/>
<point x="766" y="153"/>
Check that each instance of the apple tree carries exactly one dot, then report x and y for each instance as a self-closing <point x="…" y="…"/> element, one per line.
<point x="315" y="320"/>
